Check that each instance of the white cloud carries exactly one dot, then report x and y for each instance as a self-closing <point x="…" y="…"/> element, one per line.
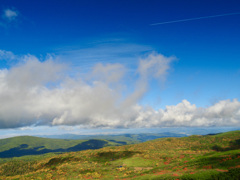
<point x="41" y="93"/>
<point x="10" y="14"/>
<point x="155" y="65"/>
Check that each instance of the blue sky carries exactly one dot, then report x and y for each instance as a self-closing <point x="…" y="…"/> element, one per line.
<point x="177" y="74"/>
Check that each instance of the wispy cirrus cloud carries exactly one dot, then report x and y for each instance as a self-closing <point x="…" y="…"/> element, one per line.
<point x="108" y="52"/>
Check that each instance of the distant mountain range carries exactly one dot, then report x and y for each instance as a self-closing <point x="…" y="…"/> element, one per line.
<point x="129" y="138"/>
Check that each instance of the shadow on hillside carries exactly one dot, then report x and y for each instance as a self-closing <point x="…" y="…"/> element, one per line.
<point x="56" y="161"/>
<point x="112" y="156"/>
<point x="23" y="150"/>
<point x="233" y="145"/>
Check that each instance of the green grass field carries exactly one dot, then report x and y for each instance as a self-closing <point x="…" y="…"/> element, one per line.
<point x="194" y="157"/>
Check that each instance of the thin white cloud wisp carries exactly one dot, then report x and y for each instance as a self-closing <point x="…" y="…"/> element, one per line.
<point x="6" y="55"/>
<point x="10" y="14"/>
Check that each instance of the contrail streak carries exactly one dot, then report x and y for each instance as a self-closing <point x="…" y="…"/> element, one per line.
<point x="191" y="19"/>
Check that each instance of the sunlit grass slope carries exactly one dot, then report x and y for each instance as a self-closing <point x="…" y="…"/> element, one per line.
<point x="194" y="157"/>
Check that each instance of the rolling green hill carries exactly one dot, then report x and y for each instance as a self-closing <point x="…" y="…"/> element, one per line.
<point x="28" y="145"/>
<point x="193" y="157"/>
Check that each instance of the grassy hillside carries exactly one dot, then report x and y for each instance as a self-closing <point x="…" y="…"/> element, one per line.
<point x="28" y="145"/>
<point x="194" y="157"/>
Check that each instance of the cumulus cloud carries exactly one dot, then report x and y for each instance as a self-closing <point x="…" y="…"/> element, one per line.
<point x="10" y="14"/>
<point x="35" y="93"/>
